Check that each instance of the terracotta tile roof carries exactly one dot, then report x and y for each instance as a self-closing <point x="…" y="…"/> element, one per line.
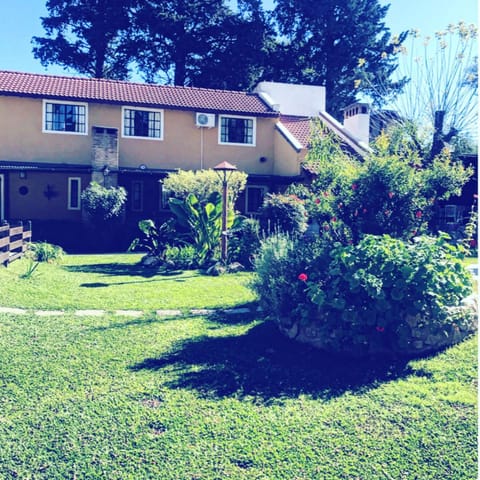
<point x="299" y="127"/>
<point x="112" y="91"/>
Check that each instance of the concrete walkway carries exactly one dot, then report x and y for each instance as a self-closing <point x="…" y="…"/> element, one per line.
<point x="127" y="313"/>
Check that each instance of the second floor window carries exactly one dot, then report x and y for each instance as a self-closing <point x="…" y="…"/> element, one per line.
<point x="65" y="117"/>
<point x="142" y="123"/>
<point x="237" y="130"/>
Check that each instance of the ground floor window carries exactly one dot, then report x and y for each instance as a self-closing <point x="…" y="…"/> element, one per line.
<point x="74" y="190"/>
<point x="137" y="196"/>
<point x="254" y="196"/>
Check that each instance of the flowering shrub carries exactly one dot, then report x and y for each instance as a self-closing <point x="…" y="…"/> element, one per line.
<point x="380" y="295"/>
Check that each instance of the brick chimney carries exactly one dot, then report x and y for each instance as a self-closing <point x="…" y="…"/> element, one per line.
<point x="105" y="156"/>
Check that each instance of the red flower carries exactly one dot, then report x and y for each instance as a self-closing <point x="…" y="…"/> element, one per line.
<point x="419" y="214"/>
<point x="354" y="186"/>
<point x="391" y="194"/>
<point x="317" y="201"/>
<point x="303" y="277"/>
<point x="334" y="219"/>
<point x="379" y="329"/>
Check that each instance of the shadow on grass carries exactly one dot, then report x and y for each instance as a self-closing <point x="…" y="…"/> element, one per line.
<point x="121" y="269"/>
<point x="267" y="366"/>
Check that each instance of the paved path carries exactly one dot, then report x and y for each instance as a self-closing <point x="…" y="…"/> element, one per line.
<point x="128" y="313"/>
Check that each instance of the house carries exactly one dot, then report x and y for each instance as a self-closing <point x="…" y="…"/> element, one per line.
<point x="58" y="133"/>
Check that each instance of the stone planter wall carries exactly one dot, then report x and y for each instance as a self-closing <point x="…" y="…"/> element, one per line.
<point x="418" y="335"/>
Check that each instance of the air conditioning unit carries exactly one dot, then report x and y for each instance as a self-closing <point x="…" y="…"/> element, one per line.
<point x="205" y="120"/>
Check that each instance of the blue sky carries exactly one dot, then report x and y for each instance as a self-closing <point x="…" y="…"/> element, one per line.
<point x="21" y="21"/>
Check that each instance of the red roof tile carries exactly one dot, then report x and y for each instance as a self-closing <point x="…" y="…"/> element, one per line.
<point x="113" y="91"/>
<point x="299" y="127"/>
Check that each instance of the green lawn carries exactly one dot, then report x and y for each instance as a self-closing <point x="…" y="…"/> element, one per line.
<point x="202" y="398"/>
<point x="112" y="282"/>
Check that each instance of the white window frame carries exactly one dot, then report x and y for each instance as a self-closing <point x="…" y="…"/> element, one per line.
<point x="254" y="131"/>
<point x="65" y="102"/>
<point x="163" y="197"/>
<point x="156" y="110"/>
<point x="263" y="188"/>
<point x="70" y="181"/>
<point x="140" y="184"/>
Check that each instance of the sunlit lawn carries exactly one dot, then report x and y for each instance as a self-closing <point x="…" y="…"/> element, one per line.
<point x="218" y="397"/>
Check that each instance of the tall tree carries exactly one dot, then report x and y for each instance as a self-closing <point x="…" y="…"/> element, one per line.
<point x="88" y="36"/>
<point x="201" y="42"/>
<point x="321" y="43"/>
<point x="441" y="96"/>
<point x="173" y="36"/>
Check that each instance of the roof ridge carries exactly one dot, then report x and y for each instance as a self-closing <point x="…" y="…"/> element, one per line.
<point x="123" y="82"/>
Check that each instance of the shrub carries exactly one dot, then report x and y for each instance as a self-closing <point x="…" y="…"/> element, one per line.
<point x="244" y="242"/>
<point x="284" y="213"/>
<point x="103" y="204"/>
<point x="381" y="295"/>
<point x="277" y="265"/>
<point x="154" y="239"/>
<point x="46" y="252"/>
<point x="184" y="257"/>
<point x="203" y="223"/>
<point x="202" y="183"/>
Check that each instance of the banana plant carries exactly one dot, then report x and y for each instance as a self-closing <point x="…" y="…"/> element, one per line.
<point x="203" y="221"/>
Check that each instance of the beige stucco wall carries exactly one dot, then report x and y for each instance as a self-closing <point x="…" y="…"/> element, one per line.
<point x="35" y="204"/>
<point x="22" y="139"/>
<point x="287" y="159"/>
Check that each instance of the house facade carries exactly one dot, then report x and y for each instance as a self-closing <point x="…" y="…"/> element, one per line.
<point x="57" y="134"/>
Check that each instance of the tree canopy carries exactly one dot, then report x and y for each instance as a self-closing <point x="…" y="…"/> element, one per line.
<point x="322" y="43"/>
<point x="88" y="36"/>
<point x="207" y="43"/>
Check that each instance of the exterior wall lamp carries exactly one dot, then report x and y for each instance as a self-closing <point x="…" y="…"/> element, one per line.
<point x="224" y="171"/>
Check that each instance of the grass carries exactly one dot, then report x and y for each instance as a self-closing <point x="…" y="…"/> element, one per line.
<point x="112" y="282"/>
<point x="199" y="398"/>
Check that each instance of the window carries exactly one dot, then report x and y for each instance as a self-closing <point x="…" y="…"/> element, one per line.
<point x="254" y="198"/>
<point x="142" y="123"/>
<point x="65" y="117"/>
<point x="137" y="196"/>
<point x="237" y="130"/>
<point x="74" y="190"/>
<point x="163" y="197"/>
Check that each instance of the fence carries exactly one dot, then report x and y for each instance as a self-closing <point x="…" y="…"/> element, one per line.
<point x="14" y="240"/>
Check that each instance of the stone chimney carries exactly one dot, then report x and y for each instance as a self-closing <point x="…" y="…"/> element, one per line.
<point x="356" y="119"/>
<point x="105" y="156"/>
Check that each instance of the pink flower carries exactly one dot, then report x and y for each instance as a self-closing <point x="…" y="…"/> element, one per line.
<point x="364" y="210"/>
<point x="354" y="186"/>
<point x="380" y="329"/>
<point x="325" y="194"/>
<point x="387" y="212"/>
<point x="326" y="228"/>
<point x="390" y="194"/>
<point x="419" y="214"/>
<point x="340" y="205"/>
<point x="473" y="243"/>
<point x="317" y="201"/>
<point x="303" y="277"/>
<point x="334" y="219"/>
